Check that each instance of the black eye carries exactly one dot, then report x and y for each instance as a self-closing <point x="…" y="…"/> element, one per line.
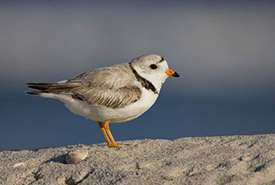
<point x="153" y="66"/>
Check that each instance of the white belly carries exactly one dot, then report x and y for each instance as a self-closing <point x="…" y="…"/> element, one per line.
<point x="102" y="113"/>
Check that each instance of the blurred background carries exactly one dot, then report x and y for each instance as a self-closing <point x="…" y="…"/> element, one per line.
<point x="223" y="50"/>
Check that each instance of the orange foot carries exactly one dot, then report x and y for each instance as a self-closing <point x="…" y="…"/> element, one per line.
<point x="107" y="134"/>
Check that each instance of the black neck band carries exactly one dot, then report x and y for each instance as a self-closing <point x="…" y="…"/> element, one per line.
<point x="144" y="83"/>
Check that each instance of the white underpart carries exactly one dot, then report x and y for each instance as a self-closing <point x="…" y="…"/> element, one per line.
<point x="141" y="65"/>
<point x="102" y="113"/>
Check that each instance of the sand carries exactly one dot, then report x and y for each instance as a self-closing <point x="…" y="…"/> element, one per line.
<point x="199" y="160"/>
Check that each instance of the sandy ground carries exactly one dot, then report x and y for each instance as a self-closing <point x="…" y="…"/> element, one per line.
<point x="205" y="160"/>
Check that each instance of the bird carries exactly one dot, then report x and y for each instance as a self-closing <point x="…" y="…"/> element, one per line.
<point x="113" y="94"/>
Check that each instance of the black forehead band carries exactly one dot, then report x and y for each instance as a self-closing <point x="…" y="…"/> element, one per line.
<point x="161" y="60"/>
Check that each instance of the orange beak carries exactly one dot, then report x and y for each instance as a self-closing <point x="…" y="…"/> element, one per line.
<point x="170" y="72"/>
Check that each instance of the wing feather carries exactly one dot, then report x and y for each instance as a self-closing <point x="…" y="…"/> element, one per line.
<point x="110" y="86"/>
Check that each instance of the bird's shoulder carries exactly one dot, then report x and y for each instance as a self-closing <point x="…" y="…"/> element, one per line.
<point x="115" y="76"/>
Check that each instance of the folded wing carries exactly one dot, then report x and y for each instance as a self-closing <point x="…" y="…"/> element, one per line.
<point x="111" y="87"/>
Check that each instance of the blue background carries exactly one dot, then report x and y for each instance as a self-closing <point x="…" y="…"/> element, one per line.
<point x="223" y="50"/>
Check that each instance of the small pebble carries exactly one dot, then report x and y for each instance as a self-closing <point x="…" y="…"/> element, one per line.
<point x="76" y="156"/>
<point x="18" y="164"/>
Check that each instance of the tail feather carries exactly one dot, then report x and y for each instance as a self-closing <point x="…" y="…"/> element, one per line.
<point x="55" y="88"/>
<point x="33" y="92"/>
<point x="42" y="86"/>
<point x="38" y="86"/>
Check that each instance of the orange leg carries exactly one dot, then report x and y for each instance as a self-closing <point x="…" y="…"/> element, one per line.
<point x="100" y="124"/>
<point x="105" y="129"/>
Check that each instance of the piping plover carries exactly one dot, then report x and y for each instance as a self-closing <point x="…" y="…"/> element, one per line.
<point x="114" y="94"/>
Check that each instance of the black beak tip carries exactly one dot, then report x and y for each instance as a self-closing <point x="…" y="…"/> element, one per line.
<point x="176" y="75"/>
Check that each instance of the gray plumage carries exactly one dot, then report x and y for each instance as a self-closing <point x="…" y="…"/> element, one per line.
<point x="109" y="86"/>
